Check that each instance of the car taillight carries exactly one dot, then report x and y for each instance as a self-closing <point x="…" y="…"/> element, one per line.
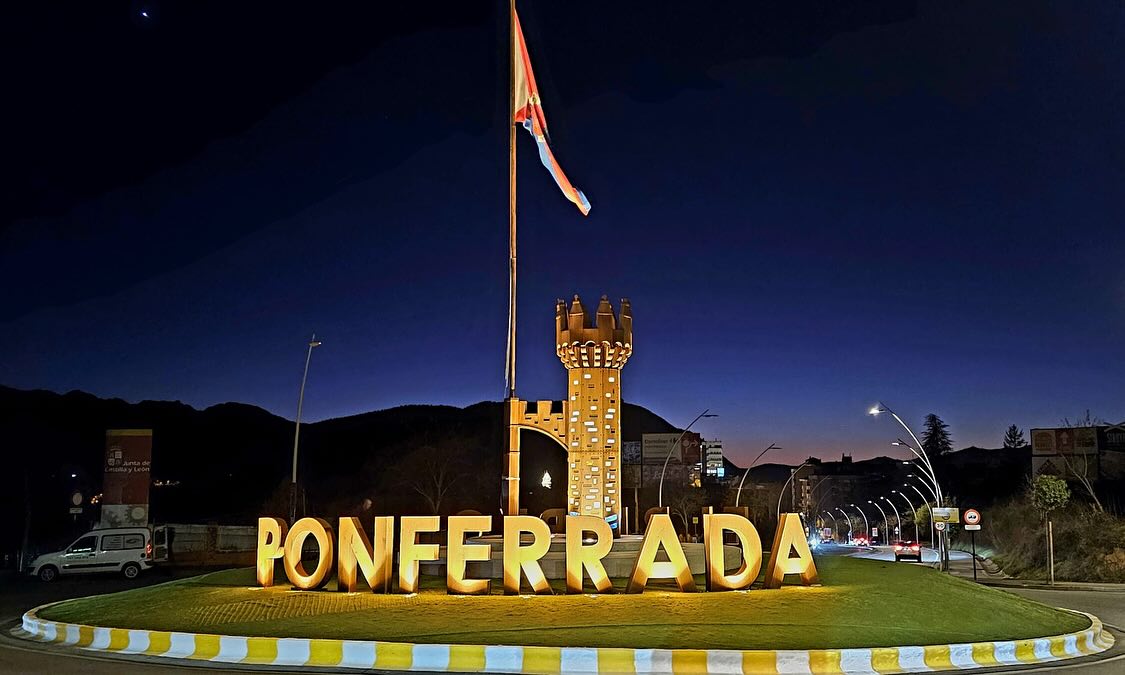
<point x="898" y="548"/>
<point x="148" y="550"/>
<point x="914" y="548"/>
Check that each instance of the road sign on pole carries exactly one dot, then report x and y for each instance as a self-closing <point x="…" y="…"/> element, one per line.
<point x="939" y="525"/>
<point x="947" y="515"/>
<point x="971" y="517"/>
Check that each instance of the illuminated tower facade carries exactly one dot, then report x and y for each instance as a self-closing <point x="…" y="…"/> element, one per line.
<point x="593" y="348"/>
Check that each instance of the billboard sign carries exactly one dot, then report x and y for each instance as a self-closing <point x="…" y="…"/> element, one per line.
<point x="127" y="476"/>
<point x="946" y="515"/>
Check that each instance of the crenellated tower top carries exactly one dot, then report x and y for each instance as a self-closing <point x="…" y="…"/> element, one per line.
<point x="599" y="340"/>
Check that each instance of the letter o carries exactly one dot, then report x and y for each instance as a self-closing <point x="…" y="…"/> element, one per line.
<point x="295" y="541"/>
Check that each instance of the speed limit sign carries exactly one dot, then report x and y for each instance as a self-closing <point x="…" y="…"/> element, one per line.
<point x="940" y="526"/>
<point x="971" y="517"/>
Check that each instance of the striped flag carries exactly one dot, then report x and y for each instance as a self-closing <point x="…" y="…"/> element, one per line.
<point x="529" y="112"/>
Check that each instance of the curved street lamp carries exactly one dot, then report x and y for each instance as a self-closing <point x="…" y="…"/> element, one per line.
<point x="920" y="451"/>
<point x="835" y="525"/>
<point x="313" y="343"/>
<point x="849" y="518"/>
<point x="660" y="492"/>
<point x="782" y="495"/>
<point x="885" y="523"/>
<point x="866" y="523"/>
<point x="913" y="516"/>
<point x="927" y="471"/>
<point x="894" y="510"/>
<point x="928" y="507"/>
<point x="738" y="493"/>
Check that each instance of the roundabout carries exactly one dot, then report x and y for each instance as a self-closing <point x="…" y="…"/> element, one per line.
<point x="867" y="616"/>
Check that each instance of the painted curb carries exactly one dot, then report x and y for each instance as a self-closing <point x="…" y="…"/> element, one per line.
<point x="401" y="656"/>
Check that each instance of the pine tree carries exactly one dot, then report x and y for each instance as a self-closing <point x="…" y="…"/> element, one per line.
<point x="935" y="439"/>
<point x="1014" y="438"/>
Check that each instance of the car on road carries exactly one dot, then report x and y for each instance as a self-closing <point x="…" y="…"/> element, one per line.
<point x="123" y="550"/>
<point x="911" y="550"/>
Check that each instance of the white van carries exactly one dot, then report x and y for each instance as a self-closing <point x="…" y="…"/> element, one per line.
<point x="124" y="550"/>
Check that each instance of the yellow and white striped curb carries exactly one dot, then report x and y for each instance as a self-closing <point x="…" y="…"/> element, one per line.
<point x="269" y="651"/>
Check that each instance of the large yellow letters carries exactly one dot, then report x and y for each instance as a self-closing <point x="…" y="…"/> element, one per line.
<point x="589" y="558"/>
<point x="789" y="539"/>
<point x="356" y="551"/>
<point x="661" y="533"/>
<point x="525" y="559"/>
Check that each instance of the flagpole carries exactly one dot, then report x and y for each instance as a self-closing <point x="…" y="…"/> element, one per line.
<point x="512" y="473"/>
<point x="511" y="365"/>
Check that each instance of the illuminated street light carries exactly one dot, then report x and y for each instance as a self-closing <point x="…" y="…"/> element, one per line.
<point x="929" y="488"/>
<point x="738" y="493"/>
<point x="921" y="453"/>
<point x="886" y="524"/>
<point x="782" y="495"/>
<point x="835" y="525"/>
<point x="914" y="515"/>
<point x="660" y="491"/>
<point x="866" y="523"/>
<point x="849" y="518"/>
<point x="931" y="509"/>
<point x="313" y="343"/>
<point x="898" y="518"/>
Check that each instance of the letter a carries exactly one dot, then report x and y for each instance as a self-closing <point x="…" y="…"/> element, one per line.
<point x="789" y="539"/>
<point x="661" y="534"/>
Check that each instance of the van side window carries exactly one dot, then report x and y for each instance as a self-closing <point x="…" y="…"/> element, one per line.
<point x="111" y="542"/>
<point x="133" y="541"/>
<point x="84" y="545"/>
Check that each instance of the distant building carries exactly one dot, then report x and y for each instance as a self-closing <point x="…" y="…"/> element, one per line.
<point x="714" y="468"/>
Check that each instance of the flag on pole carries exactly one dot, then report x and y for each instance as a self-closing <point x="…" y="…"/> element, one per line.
<point x="529" y="112"/>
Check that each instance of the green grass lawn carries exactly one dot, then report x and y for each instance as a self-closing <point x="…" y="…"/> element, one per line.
<point x="862" y="603"/>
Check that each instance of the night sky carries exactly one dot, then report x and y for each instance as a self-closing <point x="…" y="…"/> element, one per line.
<point x="811" y="207"/>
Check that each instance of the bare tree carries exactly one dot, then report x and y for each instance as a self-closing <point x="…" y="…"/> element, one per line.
<point x="432" y="471"/>
<point x="1082" y="476"/>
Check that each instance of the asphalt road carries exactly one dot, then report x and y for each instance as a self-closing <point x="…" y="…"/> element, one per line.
<point x="18" y="656"/>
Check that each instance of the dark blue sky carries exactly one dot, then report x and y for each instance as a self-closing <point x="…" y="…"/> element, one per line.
<point x="810" y="209"/>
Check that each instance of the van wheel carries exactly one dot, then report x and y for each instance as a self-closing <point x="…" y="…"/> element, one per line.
<point x="131" y="570"/>
<point x="48" y="573"/>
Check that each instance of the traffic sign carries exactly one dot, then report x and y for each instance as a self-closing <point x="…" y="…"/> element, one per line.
<point x="940" y="525"/>
<point x="944" y="514"/>
<point x="76" y="510"/>
<point x="972" y="528"/>
<point x="972" y="517"/>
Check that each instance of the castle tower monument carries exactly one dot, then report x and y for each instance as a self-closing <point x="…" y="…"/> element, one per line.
<point x="593" y="348"/>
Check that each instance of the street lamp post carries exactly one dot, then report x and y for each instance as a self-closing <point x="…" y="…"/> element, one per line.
<point x="886" y="524"/>
<point x="894" y="510"/>
<point x="924" y="456"/>
<point x="782" y="495"/>
<point x="866" y="523"/>
<point x="849" y="519"/>
<point x="835" y="526"/>
<point x="930" y="508"/>
<point x="913" y="516"/>
<point x="738" y="493"/>
<point x="660" y="491"/>
<point x="313" y="343"/>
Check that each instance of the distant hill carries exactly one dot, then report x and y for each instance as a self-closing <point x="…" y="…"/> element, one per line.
<point x="232" y="460"/>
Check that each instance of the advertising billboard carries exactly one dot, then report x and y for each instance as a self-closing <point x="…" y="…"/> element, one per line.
<point x="126" y="478"/>
<point x="1053" y="449"/>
